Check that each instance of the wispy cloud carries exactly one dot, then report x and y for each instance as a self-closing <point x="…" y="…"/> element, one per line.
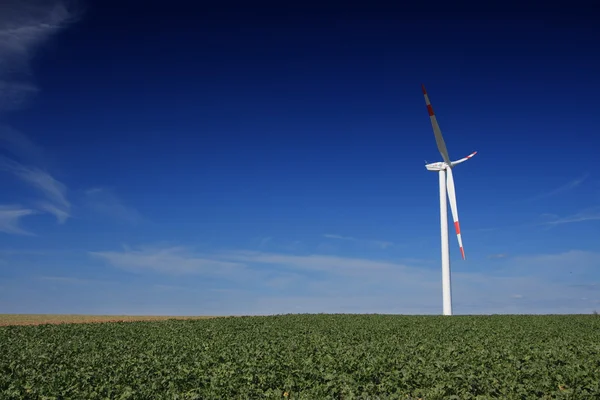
<point x="552" y="266"/>
<point x="175" y="260"/>
<point x="104" y="201"/>
<point x="61" y="214"/>
<point x="264" y="241"/>
<point x="69" y="280"/>
<point x="260" y="269"/>
<point x="181" y="260"/>
<point x="549" y="221"/>
<point x="55" y="199"/>
<point x="496" y="256"/>
<point x="562" y="189"/>
<point x="10" y="216"/>
<point x="340" y="237"/>
<point x="594" y="287"/>
<point x="24" y="27"/>
<point x="270" y="242"/>
<point x="590" y="214"/>
<point x="21" y="146"/>
<point x="278" y="283"/>
<point x="310" y="262"/>
<point x="376" y="243"/>
<point x="479" y="230"/>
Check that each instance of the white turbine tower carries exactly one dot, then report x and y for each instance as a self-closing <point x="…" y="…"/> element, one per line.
<point x="446" y="184"/>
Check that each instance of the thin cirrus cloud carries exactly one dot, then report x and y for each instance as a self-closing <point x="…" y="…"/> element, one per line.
<point x="589" y="214"/>
<point x="497" y="256"/>
<point x="54" y="192"/>
<point x="175" y="260"/>
<point x="180" y="260"/>
<point x="104" y="201"/>
<point x="376" y="243"/>
<point x="313" y="262"/>
<point x="575" y="183"/>
<point x="10" y="216"/>
<point x="24" y="27"/>
<point x="21" y="146"/>
<point x="276" y="282"/>
<point x="552" y="220"/>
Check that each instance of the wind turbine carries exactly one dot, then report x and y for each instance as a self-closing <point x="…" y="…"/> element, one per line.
<point x="446" y="184"/>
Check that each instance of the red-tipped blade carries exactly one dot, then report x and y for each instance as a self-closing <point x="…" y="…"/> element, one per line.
<point x="436" y="129"/>
<point x="454" y="208"/>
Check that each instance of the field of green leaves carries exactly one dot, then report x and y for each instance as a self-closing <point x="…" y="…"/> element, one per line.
<point x="306" y="357"/>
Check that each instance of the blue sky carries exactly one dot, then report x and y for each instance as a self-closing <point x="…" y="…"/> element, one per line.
<point x="191" y="159"/>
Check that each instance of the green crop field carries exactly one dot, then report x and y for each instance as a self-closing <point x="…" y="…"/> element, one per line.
<point x="306" y="357"/>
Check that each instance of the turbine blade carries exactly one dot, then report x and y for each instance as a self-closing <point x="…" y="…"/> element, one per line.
<point x="463" y="159"/>
<point x="454" y="208"/>
<point x="436" y="129"/>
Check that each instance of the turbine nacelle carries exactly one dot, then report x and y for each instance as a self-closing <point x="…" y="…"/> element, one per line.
<point x="438" y="166"/>
<point x="441" y="166"/>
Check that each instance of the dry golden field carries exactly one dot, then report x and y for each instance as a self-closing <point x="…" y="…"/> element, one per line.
<point x="37" y="319"/>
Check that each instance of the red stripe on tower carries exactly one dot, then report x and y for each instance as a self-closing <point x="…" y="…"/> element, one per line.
<point x="457" y="227"/>
<point x="430" y="109"/>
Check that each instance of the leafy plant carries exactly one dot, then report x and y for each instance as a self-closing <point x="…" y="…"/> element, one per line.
<point x="306" y="357"/>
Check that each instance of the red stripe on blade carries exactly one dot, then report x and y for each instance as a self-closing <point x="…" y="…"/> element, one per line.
<point x="457" y="227"/>
<point x="462" y="251"/>
<point x="430" y="109"/>
<point x="423" y="88"/>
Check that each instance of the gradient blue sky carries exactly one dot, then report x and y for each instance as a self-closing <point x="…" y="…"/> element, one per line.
<point x="186" y="159"/>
